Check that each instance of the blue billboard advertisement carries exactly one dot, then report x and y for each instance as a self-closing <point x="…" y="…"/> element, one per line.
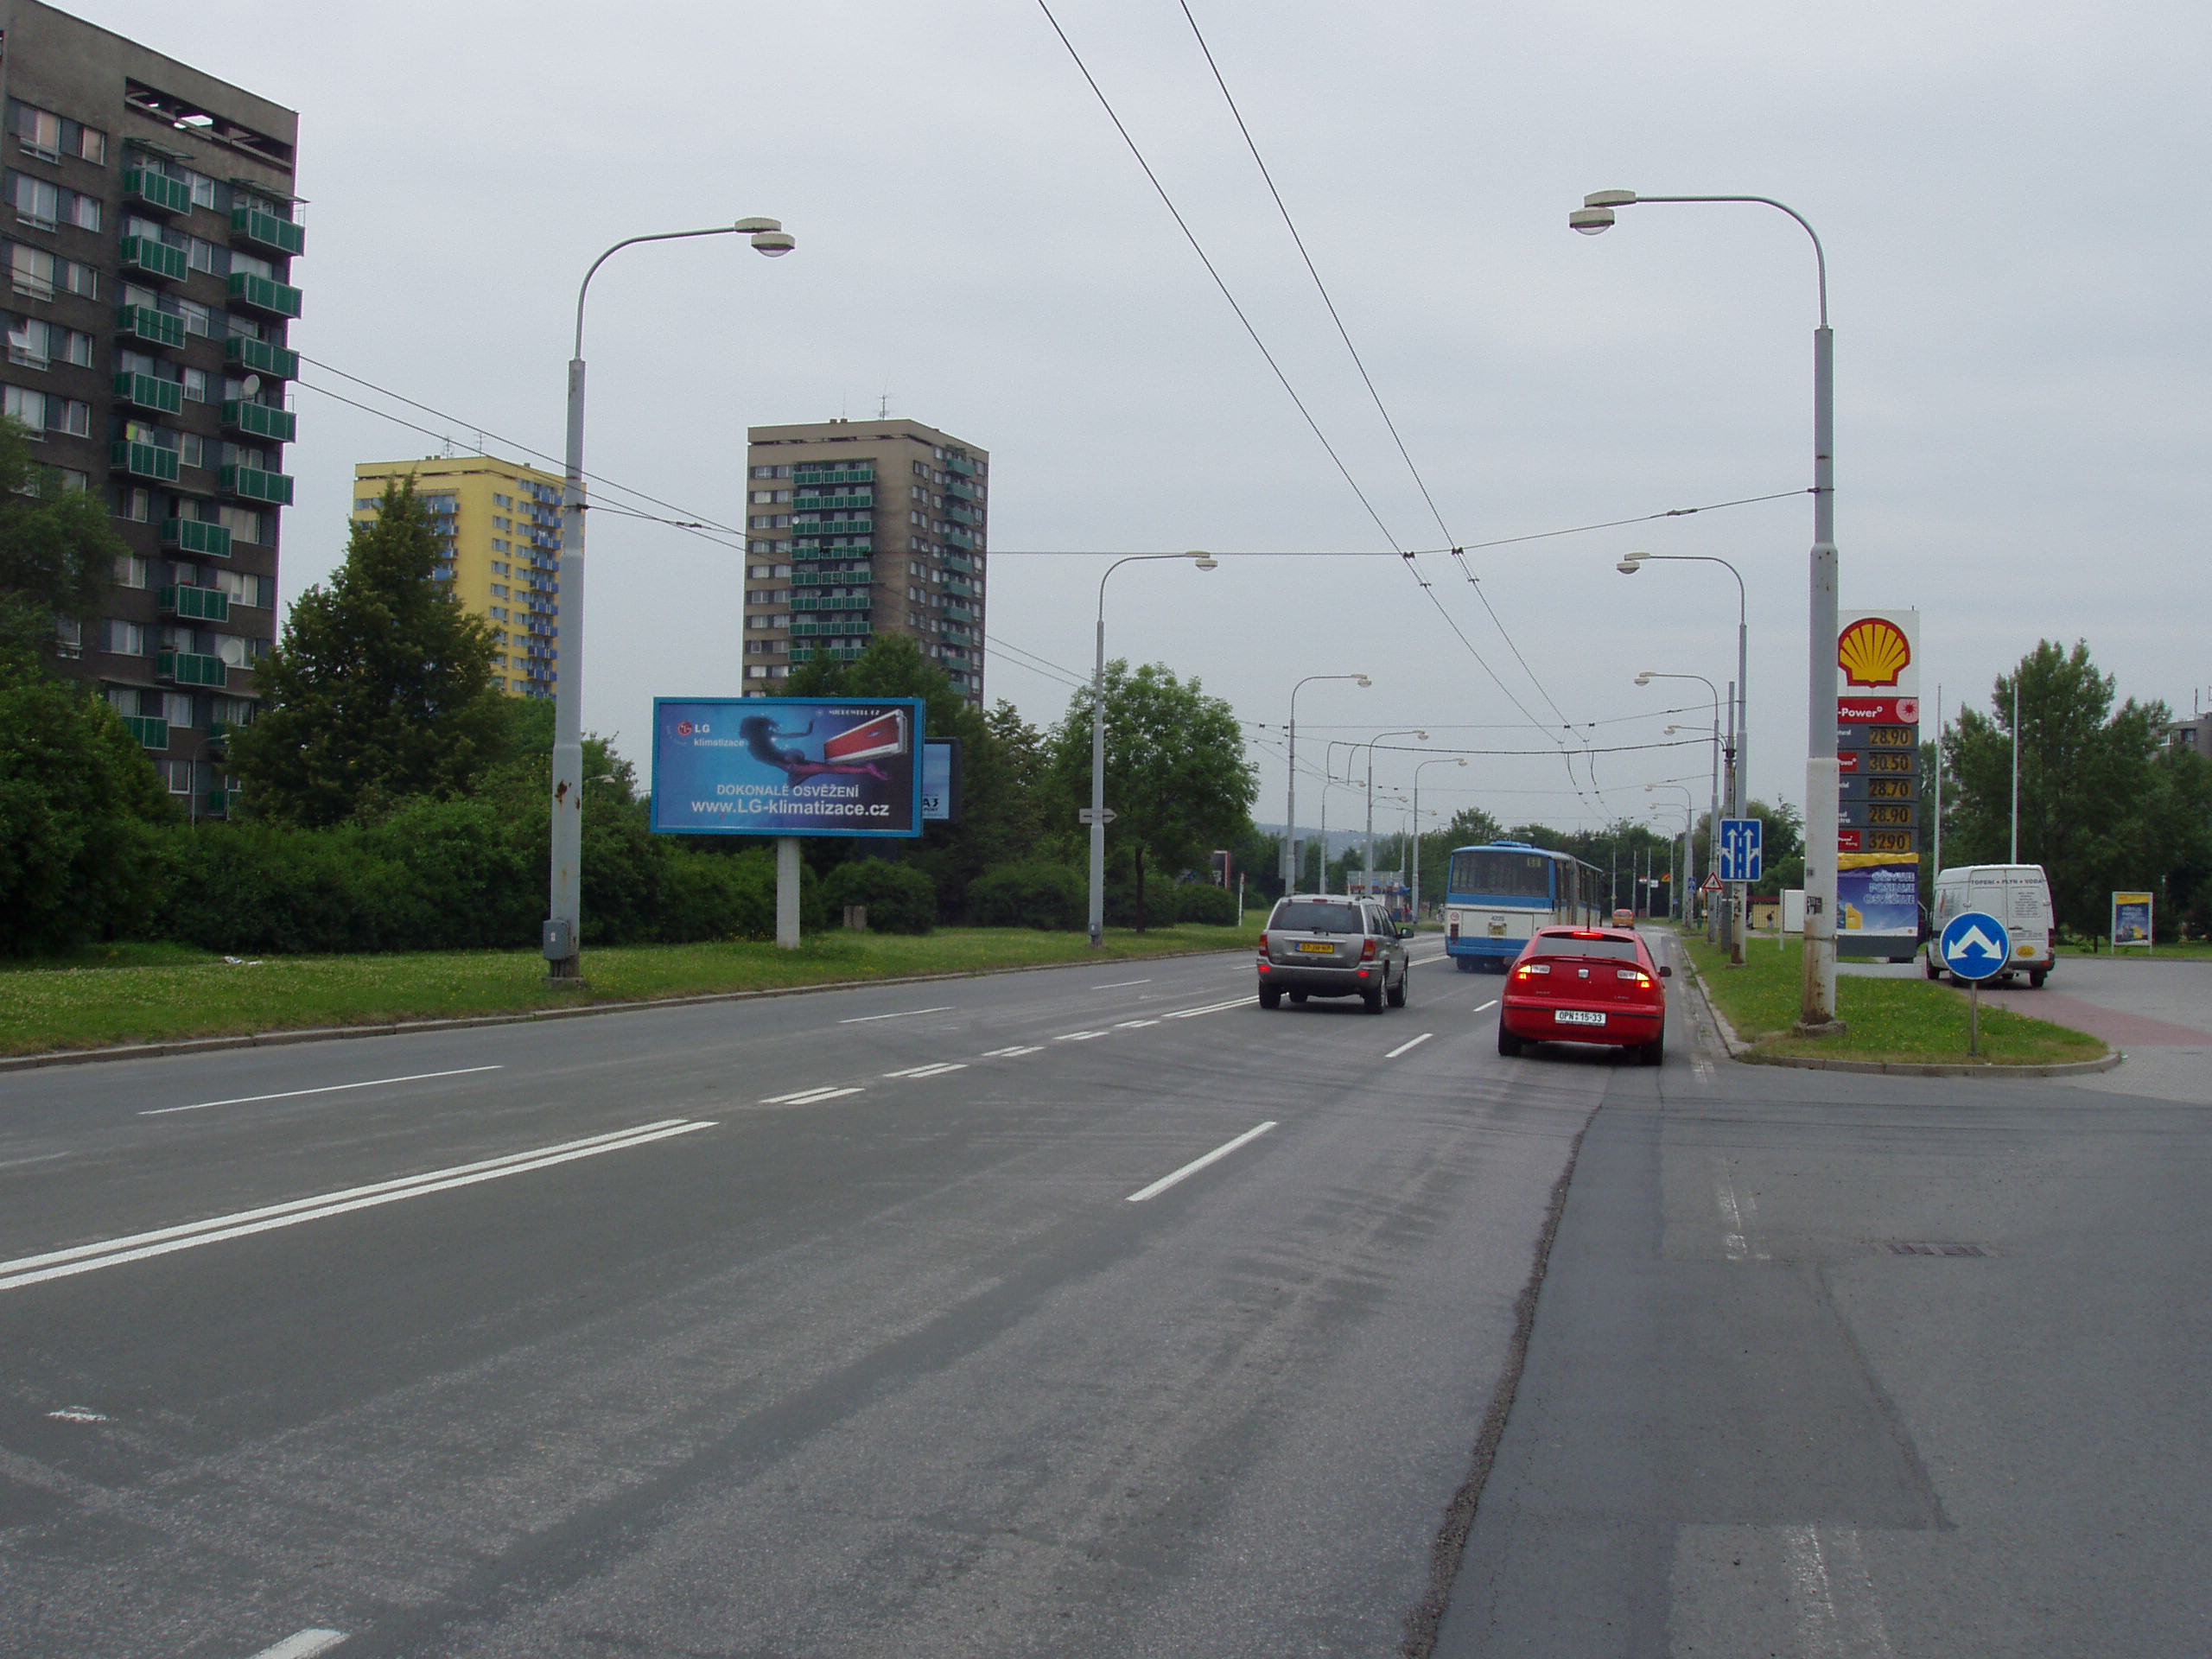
<point x="787" y="766"/>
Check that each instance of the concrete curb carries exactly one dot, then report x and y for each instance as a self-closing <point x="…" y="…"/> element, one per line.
<point x="1747" y="1053"/>
<point x="470" y="1022"/>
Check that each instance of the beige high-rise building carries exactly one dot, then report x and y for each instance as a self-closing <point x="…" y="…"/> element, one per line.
<point x="500" y="526"/>
<point x="858" y="528"/>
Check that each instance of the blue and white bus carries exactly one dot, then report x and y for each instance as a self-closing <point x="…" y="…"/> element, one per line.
<point x="1495" y="897"/>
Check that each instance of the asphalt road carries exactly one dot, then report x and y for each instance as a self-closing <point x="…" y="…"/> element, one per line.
<point x="916" y="1320"/>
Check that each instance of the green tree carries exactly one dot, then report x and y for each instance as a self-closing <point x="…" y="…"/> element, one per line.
<point x="380" y="689"/>
<point x="2092" y="795"/>
<point x="57" y="548"/>
<point x="78" y="806"/>
<point x="1176" y="775"/>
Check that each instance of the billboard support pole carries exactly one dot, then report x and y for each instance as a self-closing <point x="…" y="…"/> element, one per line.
<point x="787" y="880"/>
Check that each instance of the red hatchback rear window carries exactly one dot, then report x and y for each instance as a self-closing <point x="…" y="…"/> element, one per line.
<point x="1585" y="943"/>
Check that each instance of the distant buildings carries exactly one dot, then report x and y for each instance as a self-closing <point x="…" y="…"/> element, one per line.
<point x="500" y="526"/>
<point x="860" y="528"/>
<point x="149" y="231"/>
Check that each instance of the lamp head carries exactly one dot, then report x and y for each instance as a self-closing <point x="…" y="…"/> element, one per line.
<point x="1423" y="736"/>
<point x="1591" y="221"/>
<point x="1628" y="567"/>
<point x="775" y="243"/>
<point x="1609" y="199"/>
<point x="1463" y="759"/>
<point x="1644" y="678"/>
<point x="1363" y="680"/>
<point x="1202" y="559"/>
<point x="748" y="227"/>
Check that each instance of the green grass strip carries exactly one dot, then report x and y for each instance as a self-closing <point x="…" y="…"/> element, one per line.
<point x="159" y="992"/>
<point x="1913" y="1020"/>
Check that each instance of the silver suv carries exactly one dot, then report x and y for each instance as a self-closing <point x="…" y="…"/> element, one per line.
<point x="1317" y="945"/>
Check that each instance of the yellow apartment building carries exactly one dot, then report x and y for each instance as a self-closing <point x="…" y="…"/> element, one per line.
<point x="500" y="525"/>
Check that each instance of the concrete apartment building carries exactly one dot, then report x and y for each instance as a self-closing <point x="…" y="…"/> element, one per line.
<point x="150" y="225"/>
<point x="857" y="528"/>
<point x="500" y="526"/>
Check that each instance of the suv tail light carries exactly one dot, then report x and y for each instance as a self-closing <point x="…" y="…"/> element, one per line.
<point x="1263" y="944"/>
<point x="1367" y="952"/>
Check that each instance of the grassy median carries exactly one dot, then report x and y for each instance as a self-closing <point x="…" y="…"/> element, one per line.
<point x="157" y="992"/>
<point x="1909" y="1021"/>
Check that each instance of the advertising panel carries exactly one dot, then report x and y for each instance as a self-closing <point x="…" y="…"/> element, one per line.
<point x="941" y="780"/>
<point x="2131" y="918"/>
<point x="1877" y="759"/>
<point x="787" y="766"/>
<point x="1878" y="892"/>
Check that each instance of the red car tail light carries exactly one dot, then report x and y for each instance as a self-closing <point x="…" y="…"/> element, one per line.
<point x="1263" y="945"/>
<point x="1529" y="967"/>
<point x="1367" y="952"/>
<point x="1636" y="976"/>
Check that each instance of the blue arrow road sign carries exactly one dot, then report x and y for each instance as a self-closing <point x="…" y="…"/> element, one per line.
<point x="1743" y="849"/>
<point x="1974" y="945"/>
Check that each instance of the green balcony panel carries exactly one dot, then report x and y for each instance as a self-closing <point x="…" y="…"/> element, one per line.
<point x="151" y="391"/>
<point x="833" y="475"/>
<point x="835" y="527"/>
<point x="192" y="535"/>
<point x="964" y="515"/>
<point x="145" y="187"/>
<point x="151" y="734"/>
<point x="252" y="484"/>
<point x="833" y="503"/>
<point x="802" y="653"/>
<point x="959" y="537"/>
<point x="155" y="328"/>
<point x="960" y="564"/>
<point x="187" y="668"/>
<point x="200" y="604"/>
<point x="143" y="460"/>
<point x="261" y="357"/>
<point x="961" y="464"/>
<point x="148" y="257"/>
<point x="264" y="295"/>
<point x="961" y="489"/>
<point x="220" y="801"/>
<point x="252" y="225"/>
<point x="262" y="420"/>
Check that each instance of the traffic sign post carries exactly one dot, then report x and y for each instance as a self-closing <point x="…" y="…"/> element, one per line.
<point x="1974" y="946"/>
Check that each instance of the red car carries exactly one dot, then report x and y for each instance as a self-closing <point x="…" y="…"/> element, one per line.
<point x="1586" y="985"/>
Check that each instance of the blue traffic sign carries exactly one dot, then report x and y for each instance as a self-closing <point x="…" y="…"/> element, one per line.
<point x="1974" y="945"/>
<point x="1743" y="849"/>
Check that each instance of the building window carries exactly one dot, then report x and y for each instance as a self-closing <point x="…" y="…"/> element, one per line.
<point x="50" y="136"/>
<point x="195" y="385"/>
<point x="49" y="206"/>
<point x="129" y="570"/>
<point x="43" y="413"/>
<point x="243" y="523"/>
<point x="126" y="639"/>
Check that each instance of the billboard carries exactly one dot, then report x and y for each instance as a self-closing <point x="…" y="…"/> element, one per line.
<point x="1878" y="760"/>
<point x="2131" y="918"/>
<point x="941" y="780"/>
<point x="787" y="766"/>
<point x="1877" y="892"/>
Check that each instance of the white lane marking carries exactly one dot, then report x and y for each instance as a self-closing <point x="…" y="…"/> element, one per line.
<point x="1121" y="984"/>
<point x="808" y="1097"/>
<point x="1211" y="1007"/>
<point x="1077" y="1036"/>
<point x="1704" y="1069"/>
<point x="303" y="1644"/>
<point x="1009" y="1053"/>
<point x="137" y="1247"/>
<point x="1402" y="1047"/>
<point x="1735" y="1215"/>
<point x="903" y="1013"/>
<point x="327" y="1088"/>
<point x="76" y="1415"/>
<point x="1487" y="1005"/>
<point x="1133" y="1025"/>
<point x="936" y="1071"/>
<point x="1837" y="1613"/>
<point x="1197" y="1164"/>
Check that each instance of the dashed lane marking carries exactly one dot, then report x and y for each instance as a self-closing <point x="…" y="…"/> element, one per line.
<point x="1121" y="984"/>
<point x="303" y="1644"/>
<point x="936" y="1070"/>
<point x="1077" y="1036"/>
<point x="809" y="1097"/>
<point x="1486" y="1007"/>
<point x="327" y="1088"/>
<point x="903" y="1013"/>
<point x="1010" y="1053"/>
<point x="1133" y="1025"/>
<point x="1211" y="1007"/>
<point x="1197" y="1164"/>
<point x="1404" y="1047"/>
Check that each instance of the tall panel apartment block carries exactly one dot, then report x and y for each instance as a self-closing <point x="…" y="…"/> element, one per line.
<point x="499" y="524"/>
<point x="858" y="528"/>
<point x="149" y="229"/>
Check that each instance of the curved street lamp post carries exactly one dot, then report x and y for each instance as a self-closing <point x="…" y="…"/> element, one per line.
<point x="1712" y="835"/>
<point x="1817" y="1009"/>
<point x="1291" y="870"/>
<point x="1367" y="850"/>
<point x="562" y="939"/>
<point x="1457" y="761"/>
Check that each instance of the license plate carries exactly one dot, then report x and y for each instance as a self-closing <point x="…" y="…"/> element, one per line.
<point x="1498" y="930"/>
<point x="1576" y="1017"/>
<point x="1313" y="949"/>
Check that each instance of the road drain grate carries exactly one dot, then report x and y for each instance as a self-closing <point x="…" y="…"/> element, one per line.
<point x="1900" y="1247"/>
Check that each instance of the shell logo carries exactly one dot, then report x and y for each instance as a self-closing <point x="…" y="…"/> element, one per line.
<point x="1874" y="652"/>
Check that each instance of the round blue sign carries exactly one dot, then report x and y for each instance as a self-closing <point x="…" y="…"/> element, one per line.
<point x="1974" y="945"/>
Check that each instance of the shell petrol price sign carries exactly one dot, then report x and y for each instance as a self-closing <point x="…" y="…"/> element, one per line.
<point x="1877" y="755"/>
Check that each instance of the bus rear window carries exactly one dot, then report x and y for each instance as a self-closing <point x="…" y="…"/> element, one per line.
<point x="1490" y="874"/>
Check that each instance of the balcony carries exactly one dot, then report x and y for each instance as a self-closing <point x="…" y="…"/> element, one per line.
<point x="151" y="734"/>
<point x="151" y="391"/>
<point x="961" y="489"/>
<point x="846" y="629"/>
<point x="957" y="635"/>
<point x="200" y="604"/>
<point x="959" y="537"/>
<point x="959" y="564"/>
<point x="830" y="602"/>
<point x="241" y="351"/>
<point x="252" y="484"/>
<point x="143" y="460"/>
<point x="148" y="257"/>
<point x="961" y="464"/>
<point x="969" y="516"/>
<point x="143" y="187"/>
<point x="262" y="420"/>
<point x="832" y="527"/>
<point x="959" y="588"/>
<point x="264" y="295"/>
<point x="220" y="801"/>
<point x="192" y="535"/>
<point x="833" y="475"/>
<point x="258" y="229"/>
<point x="155" y="328"/>
<point x="833" y="503"/>
<point x="185" y="668"/>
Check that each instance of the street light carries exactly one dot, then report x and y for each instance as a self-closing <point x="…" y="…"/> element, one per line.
<point x="1291" y="871"/>
<point x="1816" y="1007"/>
<point x="1457" y="761"/>
<point x="1739" y="793"/>
<point x="1096" y="816"/>
<point x="1712" y="837"/>
<point x="1367" y="850"/>
<point x="563" y="932"/>
<point x="1689" y="807"/>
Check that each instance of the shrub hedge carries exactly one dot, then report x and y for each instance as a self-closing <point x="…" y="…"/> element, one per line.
<point x="1033" y="893"/>
<point x="899" y="897"/>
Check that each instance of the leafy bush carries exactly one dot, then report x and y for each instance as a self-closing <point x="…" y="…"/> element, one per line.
<point x="1031" y="895"/>
<point x="1202" y="901"/>
<point x="900" y="898"/>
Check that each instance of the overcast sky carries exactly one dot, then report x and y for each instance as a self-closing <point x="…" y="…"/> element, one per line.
<point x="2006" y="192"/>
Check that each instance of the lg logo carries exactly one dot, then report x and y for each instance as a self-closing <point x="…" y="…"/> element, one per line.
<point x="692" y="728"/>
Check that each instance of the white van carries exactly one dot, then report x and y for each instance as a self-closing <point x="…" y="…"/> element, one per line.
<point x="2018" y="895"/>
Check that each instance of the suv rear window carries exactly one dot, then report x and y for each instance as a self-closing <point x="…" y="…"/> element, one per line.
<point x="1315" y="916"/>
<point x="1566" y="945"/>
